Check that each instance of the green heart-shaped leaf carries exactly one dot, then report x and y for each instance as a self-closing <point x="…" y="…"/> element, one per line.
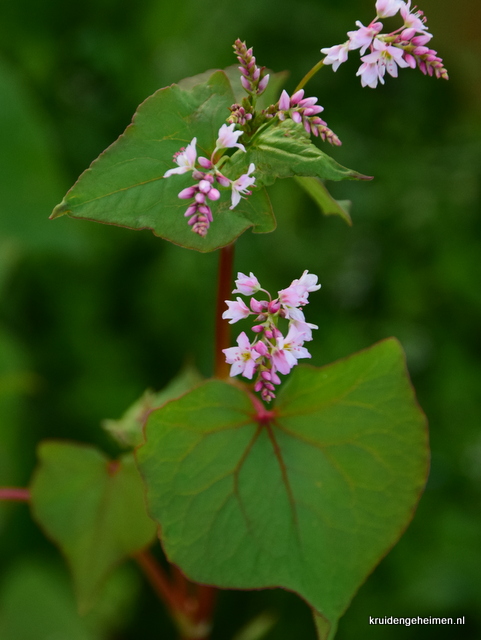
<point x="310" y="501"/>
<point x="125" y="185"/>
<point x="92" y="508"/>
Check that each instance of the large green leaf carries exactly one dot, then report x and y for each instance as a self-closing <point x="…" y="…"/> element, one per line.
<point x="310" y="501"/>
<point x="92" y="508"/>
<point x="284" y="150"/>
<point x="125" y="185"/>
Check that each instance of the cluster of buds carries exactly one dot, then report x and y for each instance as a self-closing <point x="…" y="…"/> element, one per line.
<point x="206" y="174"/>
<point x="270" y="352"/>
<point x="253" y="78"/>
<point x="404" y="47"/>
<point x="239" y="114"/>
<point x="305" y="111"/>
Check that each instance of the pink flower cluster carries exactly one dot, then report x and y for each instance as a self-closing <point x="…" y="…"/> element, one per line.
<point x="305" y="111"/>
<point x="206" y="174"/>
<point x="404" y="47"/>
<point x="270" y="352"/>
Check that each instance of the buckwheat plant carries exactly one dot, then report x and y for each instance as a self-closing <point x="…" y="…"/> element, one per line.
<point x="249" y="483"/>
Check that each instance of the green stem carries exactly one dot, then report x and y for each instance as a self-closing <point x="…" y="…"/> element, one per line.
<point x="309" y="75"/>
<point x="222" y="328"/>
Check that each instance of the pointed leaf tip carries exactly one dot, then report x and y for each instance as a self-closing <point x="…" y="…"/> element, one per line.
<point x="60" y="210"/>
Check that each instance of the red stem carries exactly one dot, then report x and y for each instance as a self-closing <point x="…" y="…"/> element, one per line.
<point x="206" y="597"/>
<point x="222" y="327"/>
<point x="15" y="494"/>
<point x="159" y="580"/>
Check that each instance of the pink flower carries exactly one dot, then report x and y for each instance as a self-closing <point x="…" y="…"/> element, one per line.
<point x="228" y="138"/>
<point x="362" y="38"/>
<point x="237" y="311"/>
<point x="242" y="358"/>
<point x="241" y="185"/>
<point x="413" y="20"/>
<point x="304" y="327"/>
<point x="388" y="8"/>
<point x="384" y="57"/>
<point x="291" y="297"/>
<point x="248" y="285"/>
<point x="308" y="281"/>
<point x="185" y="158"/>
<point x="289" y="350"/>
<point x="336" y="55"/>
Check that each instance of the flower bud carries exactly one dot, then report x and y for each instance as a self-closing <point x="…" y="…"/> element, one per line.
<point x="187" y="193"/>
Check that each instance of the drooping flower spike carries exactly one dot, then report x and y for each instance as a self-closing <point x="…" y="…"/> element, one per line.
<point x="270" y="352"/>
<point x="404" y="47"/>
<point x="305" y="111"/>
<point x="206" y="174"/>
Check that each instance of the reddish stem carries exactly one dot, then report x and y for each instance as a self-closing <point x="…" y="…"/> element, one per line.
<point x="159" y="580"/>
<point x="206" y="597"/>
<point x="222" y="327"/>
<point x="15" y="494"/>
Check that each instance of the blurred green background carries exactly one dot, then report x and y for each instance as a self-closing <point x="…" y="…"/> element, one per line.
<point x="91" y="315"/>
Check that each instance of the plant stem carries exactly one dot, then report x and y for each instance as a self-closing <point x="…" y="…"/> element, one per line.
<point x="158" y="580"/>
<point x="309" y="75"/>
<point x="222" y="328"/>
<point x="15" y="494"/>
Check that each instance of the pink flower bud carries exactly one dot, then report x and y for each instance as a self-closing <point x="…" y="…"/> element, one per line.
<point x="410" y="60"/>
<point x="296" y="116"/>
<point x="200" y="198"/>
<point x="191" y="210"/>
<point x="214" y="194"/>
<point x="275" y="378"/>
<point x="407" y="34"/>
<point x="258" y="386"/>
<point x="204" y="186"/>
<point x="197" y="175"/>
<point x="258" y="328"/>
<point x="187" y="193"/>
<point x="421" y="39"/>
<point x="266" y="375"/>
<point x="314" y="110"/>
<point x="269" y="334"/>
<point x="284" y="101"/>
<point x="260" y="89"/>
<point x="256" y="306"/>
<point x="245" y="83"/>
<point x="261" y="348"/>
<point x="204" y="162"/>
<point x="419" y="51"/>
<point x="256" y="74"/>
<point x="297" y="97"/>
<point x="307" y="102"/>
<point x="274" y="306"/>
<point x="222" y="180"/>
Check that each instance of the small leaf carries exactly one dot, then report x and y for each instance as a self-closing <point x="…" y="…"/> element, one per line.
<point x="321" y="196"/>
<point x="92" y="508"/>
<point x="258" y="627"/>
<point x="284" y="150"/>
<point x="128" y="430"/>
<point x="125" y="185"/>
<point x="324" y="628"/>
<point x="310" y="501"/>
<point x="37" y="603"/>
